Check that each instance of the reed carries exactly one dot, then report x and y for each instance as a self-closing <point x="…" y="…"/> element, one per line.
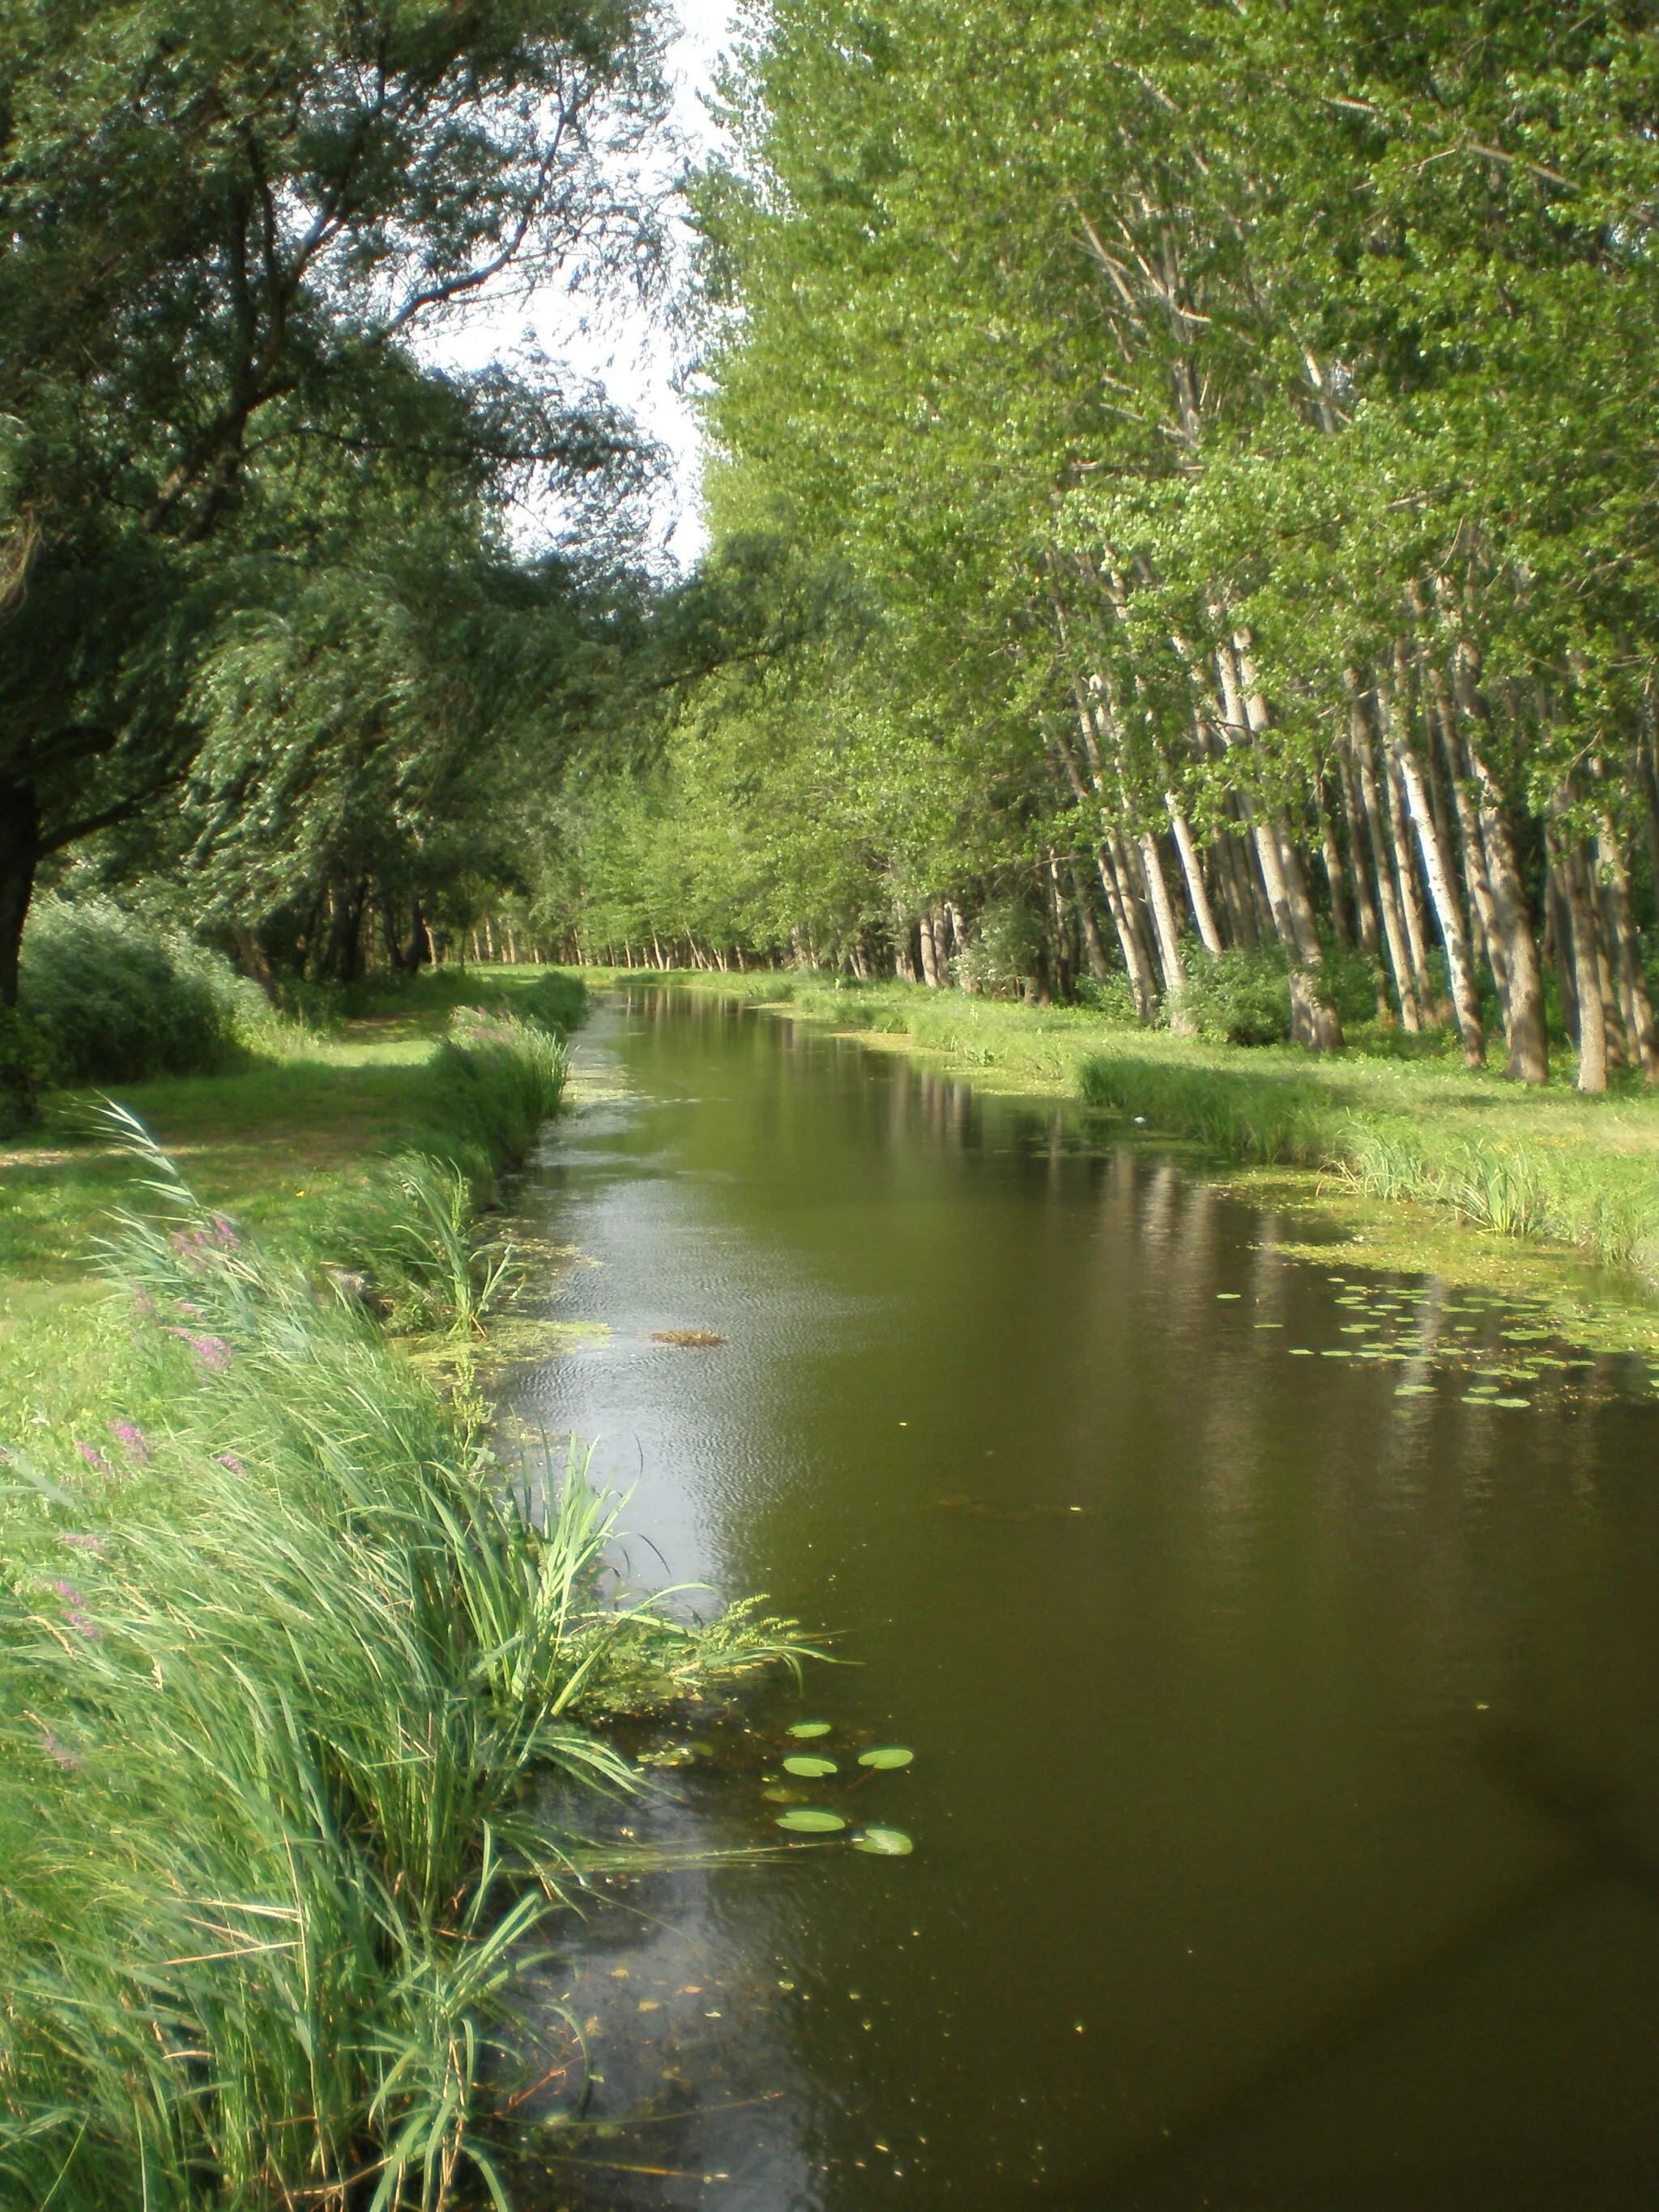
<point x="280" y="1643"/>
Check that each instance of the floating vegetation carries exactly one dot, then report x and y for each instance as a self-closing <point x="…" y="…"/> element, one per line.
<point x="690" y="1339"/>
<point x="884" y="1756"/>
<point x="811" y="1821"/>
<point x="805" y="1762"/>
<point x="884" y="1843"/>
<point x="802" y="1730"/>
<point x="1492" y="1347"/>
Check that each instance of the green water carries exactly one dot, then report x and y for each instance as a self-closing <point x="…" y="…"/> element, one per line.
<point x="1285" y="1802"/>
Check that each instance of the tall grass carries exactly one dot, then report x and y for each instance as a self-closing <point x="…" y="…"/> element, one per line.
<point x="410" y="1233"/>
<point x="280" y="1644"/>
<point x="1604" y="1202"/>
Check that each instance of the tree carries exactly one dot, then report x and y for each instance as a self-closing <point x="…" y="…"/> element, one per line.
<point x="225" y="232"/>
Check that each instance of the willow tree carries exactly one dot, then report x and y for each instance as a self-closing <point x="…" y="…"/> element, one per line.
<point x="223" y="234"/>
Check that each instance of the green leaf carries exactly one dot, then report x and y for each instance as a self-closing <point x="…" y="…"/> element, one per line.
<point x="886" y="1755"/>
<point x="884" y="1843"/>
<point x="804" y="1762"/>
<point x="802" y="1730"/>
<point x="810" y="1821"/>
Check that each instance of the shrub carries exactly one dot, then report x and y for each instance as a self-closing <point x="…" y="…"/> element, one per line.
<point x="1111" y="997"/>
<point x="114" y="999"/>
<point x="1238" y="998"/>
<point x="1006" y="949"/>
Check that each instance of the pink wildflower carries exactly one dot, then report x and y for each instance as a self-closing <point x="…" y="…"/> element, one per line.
<point x="67" y="1591"/>
<point x="93" y="1456"/>
<point x="229" y="1460"/>
<point x="212" y="1351"/>
<point x="131" y="1438"/>
<point x="79" y="1543"/>
<point x="66" y="1759"/>
<point x="84" y="1625"/>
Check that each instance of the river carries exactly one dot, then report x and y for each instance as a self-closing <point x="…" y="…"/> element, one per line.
<point x="1278" y="1644"/>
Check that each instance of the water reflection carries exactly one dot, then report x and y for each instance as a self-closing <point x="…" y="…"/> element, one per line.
<point x="1284" y="1795"/>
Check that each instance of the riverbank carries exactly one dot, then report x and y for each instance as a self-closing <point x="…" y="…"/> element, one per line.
<point x="283" y="1641"/>
<point x="1424" y="1166"/>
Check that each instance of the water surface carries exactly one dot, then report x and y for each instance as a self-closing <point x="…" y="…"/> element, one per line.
<point x="1286" y="1809"/>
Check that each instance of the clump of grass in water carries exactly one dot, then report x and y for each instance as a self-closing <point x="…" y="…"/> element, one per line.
<point x="270" y="1691"/>
<point x="410" y="1231"/>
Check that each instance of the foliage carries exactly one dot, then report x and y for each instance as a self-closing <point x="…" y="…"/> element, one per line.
<point x="232" y="474"/>
<point x="1237" y="997"/>
<point x="1227" y="424"/>
<point x="115" y="998"/>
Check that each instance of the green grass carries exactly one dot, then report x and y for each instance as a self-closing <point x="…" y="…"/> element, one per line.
<point x="283" y="1641"/>
<point x="1394" y="1125"/>
<point x="279" y="1144"/>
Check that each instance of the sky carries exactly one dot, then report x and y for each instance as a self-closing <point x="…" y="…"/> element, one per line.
<point x="631" y="354"/>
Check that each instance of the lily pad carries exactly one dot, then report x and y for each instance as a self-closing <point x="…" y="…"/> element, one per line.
<point x="884" y="1843"/>
<point x="1414" y="1390"/>
<point x="1514" y="1405"/>
<point x="811" y="1821"/>
<point x="886" y="1755"/>
<point x="806" y="1762"/>
<point x="802" y="1729"/>
<point x="778" y="1795"/>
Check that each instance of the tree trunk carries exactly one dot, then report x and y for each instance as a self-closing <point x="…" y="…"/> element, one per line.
<point x="1476" y="874"/>
<point x="1164" y="927"/>
<point x="1404" y="878"/>
<point x="1635" y="1003"/>
<point x="1437" y="869"/>
<point x="1093" y="950"/>
<point x="1393" y="925"/>
<point x="1243" y="886"/>
<point x="1524" y="1030"/>
<point x="1136" y="965"/>
<point x="929" y="948"/>
<point x="1576" y="926"/>
<point x="1198" y="898"/>
<point x="1333" y="875"/>
<point x="20" y="856"/>
<point x="904" y="966"/>
<point x="1365" y="907"/>
<point x="1313" y="1020"/>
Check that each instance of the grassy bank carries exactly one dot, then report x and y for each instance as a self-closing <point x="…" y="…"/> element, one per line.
<point x="281" y="1642"/>
<point x="285" y="1140"/>
<point x="1473" y="1151"/>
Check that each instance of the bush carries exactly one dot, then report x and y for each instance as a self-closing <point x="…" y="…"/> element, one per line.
<point x="1112" y="998"/>
<point x="1006" y="949"/>
<point x="1238" y="998"/>
<point x="113" y="998"/>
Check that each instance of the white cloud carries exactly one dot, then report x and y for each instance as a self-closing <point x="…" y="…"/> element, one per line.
<point x="632" y="353"/>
